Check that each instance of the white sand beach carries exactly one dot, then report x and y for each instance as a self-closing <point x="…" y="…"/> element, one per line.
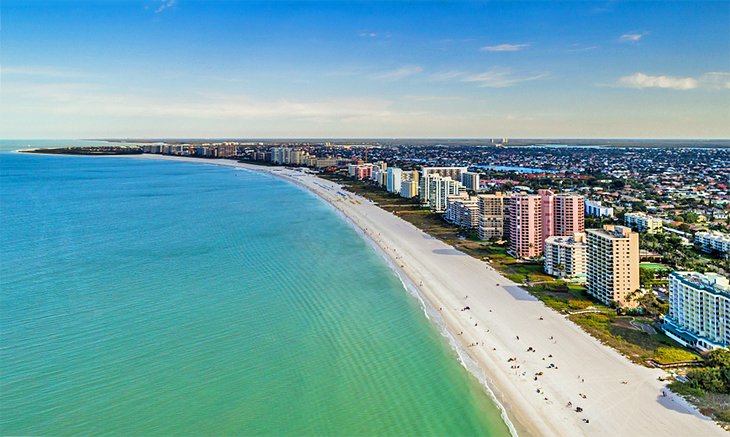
<point x="503" y="322"/>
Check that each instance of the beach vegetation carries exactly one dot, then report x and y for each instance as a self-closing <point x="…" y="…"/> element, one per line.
<point x="709" y="387"/>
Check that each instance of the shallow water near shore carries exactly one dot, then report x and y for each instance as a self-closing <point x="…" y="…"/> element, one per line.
<point x="147" y="297"/>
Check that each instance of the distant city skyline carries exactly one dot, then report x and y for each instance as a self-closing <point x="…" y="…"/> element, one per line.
<point x="184" y="68"/>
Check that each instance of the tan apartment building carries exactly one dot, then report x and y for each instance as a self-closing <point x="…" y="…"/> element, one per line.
<point x="613" y="264"/>
<point x="492" y="216"/>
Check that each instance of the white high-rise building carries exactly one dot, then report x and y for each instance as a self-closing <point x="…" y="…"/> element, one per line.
<point x="436" y="189"/>
<point x="567" y="257"/>
<point x="699" y="310"/>
<point x="470" y="180"/>
<point x="394" y="179"/>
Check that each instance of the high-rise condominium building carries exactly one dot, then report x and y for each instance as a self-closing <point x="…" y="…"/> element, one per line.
<point x="364" y="171"/>
<point x="547" y="211"/>
<point x="568" y="214"/>
<point x="470" y="180"/>
<point x="566" y="257"/>
<point x="525" y="226"/>
<point x="492" y="216"/>
<point x="409" y="189"/>
<point x="436" y="189"/>
<point x="552" y="214"/>
<point x="463" y="210"/>
<point x="613" y="264"/>
<point x="452" y="172"/>
<point x="699" y="310"/>
<point x="394" y="179"/>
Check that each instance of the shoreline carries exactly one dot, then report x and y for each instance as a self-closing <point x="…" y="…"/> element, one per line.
<point x="445" y="281"/>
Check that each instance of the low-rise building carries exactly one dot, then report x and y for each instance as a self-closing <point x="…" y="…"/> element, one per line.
<point x="594" y="208"/>
<point x="643" y="223"/>
<point x="699" y="310"/>
<point x="713" y="241"/>
<point x="566" y="257"/>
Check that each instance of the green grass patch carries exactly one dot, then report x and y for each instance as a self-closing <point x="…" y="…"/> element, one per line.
<point x="653" y="266"/>
<point x="669" y="354"/>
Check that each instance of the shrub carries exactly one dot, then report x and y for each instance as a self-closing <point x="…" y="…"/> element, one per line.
<point x="576" y="304"/>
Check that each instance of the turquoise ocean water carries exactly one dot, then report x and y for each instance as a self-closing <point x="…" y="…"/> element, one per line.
<point x="157" y="298"/>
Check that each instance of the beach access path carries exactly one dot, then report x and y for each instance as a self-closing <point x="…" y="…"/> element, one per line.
<point x="566" y="367"/>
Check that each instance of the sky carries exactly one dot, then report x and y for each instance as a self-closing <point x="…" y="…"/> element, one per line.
<point x="378" y="69"/>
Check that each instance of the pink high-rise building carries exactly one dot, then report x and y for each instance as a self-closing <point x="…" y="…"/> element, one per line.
<point x="534" y="218"/>
<point x="363" y="171"/>
<point x="526" y="226"/>
<point x="547" y="203"/>
<point x="568" y="214"/>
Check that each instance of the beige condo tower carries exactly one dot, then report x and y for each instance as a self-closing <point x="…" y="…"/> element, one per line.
<point x="613" y="264"/>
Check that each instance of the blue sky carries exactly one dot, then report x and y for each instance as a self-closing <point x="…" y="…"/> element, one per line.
<point x="184" y="68"/>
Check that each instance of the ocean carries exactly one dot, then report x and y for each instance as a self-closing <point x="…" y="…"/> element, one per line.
<point x="142" y="297"/>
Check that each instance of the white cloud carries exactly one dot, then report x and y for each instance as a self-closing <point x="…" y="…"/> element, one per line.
<point x="641" y="80"/>
<point x="504" y="48"/>
<point x="82" y="99"/>
<point x="41" y="71"/>
<point x="494" y="78"/>
<point x="499" y="78"/>
<point x="368" y="34"/>
<point x="632" y="37"/>
<point x="165" y="4"/>
<point x="715" y="80"/>
<point x="576" y="48"/>
<point x="399" y="73"/>
<point x="448" y="75"/>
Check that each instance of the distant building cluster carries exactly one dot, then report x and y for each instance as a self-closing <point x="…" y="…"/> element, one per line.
<point x="204" y="150"/>
<point x="539" y="223"/>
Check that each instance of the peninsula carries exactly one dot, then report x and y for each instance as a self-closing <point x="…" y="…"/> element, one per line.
<point x="88" y="150"/>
